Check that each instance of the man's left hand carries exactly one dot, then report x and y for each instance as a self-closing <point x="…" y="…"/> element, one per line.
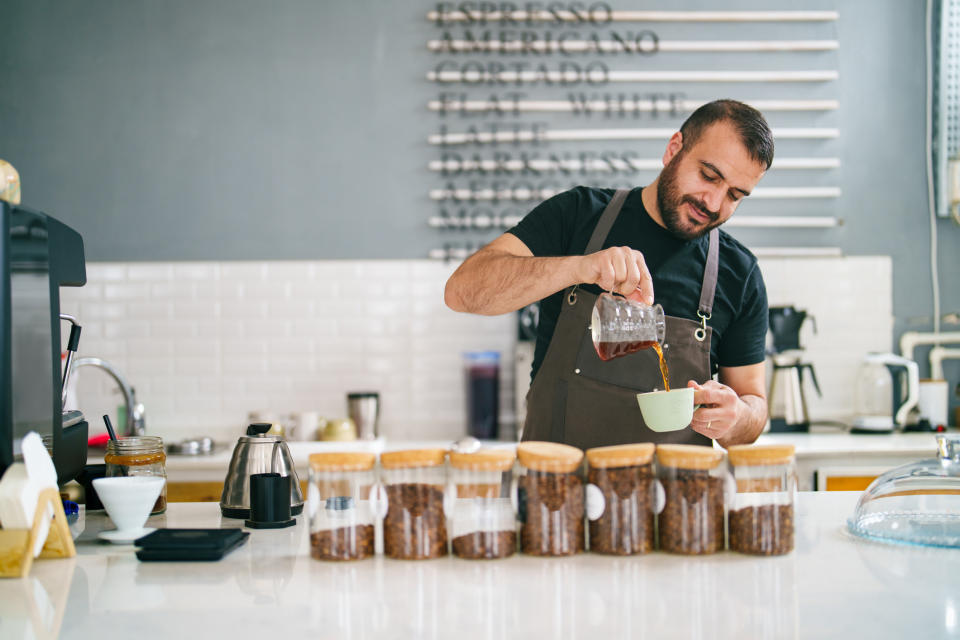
<point x="720" y="408"/>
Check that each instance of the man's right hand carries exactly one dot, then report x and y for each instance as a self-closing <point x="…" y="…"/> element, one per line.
<point x="618" y="269"/>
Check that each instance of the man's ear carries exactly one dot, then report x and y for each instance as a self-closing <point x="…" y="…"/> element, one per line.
<point x="673" y="147"/>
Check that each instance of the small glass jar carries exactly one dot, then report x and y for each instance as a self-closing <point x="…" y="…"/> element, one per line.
<point x="139" y="456"/>
<point x="338" y="504"/>
<point x="415" y="525"/>
<point x="761" y="517"/>
<point x="483" y="523"/>
<point x="621" y="496"/>
<point x="693" y="481"/>
<point x="550" y="499"/>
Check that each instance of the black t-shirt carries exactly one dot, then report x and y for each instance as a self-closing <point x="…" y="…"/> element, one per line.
<point x="562" y="226"/>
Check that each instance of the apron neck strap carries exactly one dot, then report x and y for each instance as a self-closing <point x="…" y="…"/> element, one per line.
<point x="709" y="286"/>
<point x="607" y="218"/>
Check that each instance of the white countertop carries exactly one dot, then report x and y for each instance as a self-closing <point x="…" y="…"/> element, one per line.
<point x="831" y="586"/>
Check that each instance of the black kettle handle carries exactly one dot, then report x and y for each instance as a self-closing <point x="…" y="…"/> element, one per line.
<point x="258" y="428"/>
<point x="813" y="375"/>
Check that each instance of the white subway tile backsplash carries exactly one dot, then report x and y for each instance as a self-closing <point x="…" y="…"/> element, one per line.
<point x="267" y="290"/>
<point x="207" y="342"/>
<point x="243" y="271"/>
<point x="105" y="272"/>
<point x="195" y="366"/>
<point x="266" y="329"/>
<point x="149" y="271"/>
<point x="202" y="271"/>
<point x="125" y="330"/>
<point x="126" y="291"/>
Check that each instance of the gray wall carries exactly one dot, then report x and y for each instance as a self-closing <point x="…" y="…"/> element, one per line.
<point x="228" y="129"/>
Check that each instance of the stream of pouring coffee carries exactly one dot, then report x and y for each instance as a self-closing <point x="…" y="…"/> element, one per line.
<point x="664" y="371"/>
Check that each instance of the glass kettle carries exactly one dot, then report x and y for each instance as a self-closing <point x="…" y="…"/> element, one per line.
<point x="917" y="503"/>
<point x="620" y="326"/>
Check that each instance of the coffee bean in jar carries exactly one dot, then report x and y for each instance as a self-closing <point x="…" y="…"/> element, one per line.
<point x="483" y="523"/>
<point x="692" y="518"/>
<point x="620" y="498"/>
<point x="550" y="500"/>
<point x="762" y="514"/>
<point x="415" y="525"/>
<point x="340" y="513"/>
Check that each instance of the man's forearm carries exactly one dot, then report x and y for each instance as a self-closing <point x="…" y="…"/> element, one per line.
<point x="493" y="282"/>
<point x="750" y="424"/>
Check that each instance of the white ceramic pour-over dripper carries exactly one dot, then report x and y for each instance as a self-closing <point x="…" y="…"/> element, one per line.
<point x="128" y="501"/>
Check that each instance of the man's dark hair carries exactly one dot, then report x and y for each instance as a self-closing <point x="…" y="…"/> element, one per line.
<point x="749" y="123"/>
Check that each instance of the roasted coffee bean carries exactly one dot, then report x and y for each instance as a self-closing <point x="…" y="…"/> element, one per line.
<point x="626" y="525"/>
<point x="553" y="524"/>
<point x="763" y="530"/>
<point x="343" y="543"/>
<point x="692" y="518"/>
<point x="485" y="544"/>
<point x="415" y="526"/>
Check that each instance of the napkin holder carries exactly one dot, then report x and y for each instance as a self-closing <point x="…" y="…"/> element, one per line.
<point x="16" y="545"/>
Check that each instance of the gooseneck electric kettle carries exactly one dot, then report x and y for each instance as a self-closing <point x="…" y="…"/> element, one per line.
<point x="887" y="389"/>
<point x="256" y="452"/>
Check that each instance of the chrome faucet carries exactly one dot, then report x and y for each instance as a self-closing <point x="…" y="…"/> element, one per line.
<point x="136" y="420"/>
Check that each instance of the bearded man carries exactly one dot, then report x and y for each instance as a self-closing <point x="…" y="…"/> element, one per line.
<point x="661" y="238"/>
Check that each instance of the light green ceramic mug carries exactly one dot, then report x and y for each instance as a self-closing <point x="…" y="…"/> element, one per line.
<point x="667" y="410"/>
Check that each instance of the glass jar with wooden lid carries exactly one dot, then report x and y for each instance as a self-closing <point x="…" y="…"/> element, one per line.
<point x="693" y="480"/>
<point x="483" y="523"/>
<point x="621" y="495"/>
<point x="339" y="505"/>
<point x="761" y="516"/>
<point x="138" y="456"/>
<point x="414" y="524"/>
<point x="550" y="499"/>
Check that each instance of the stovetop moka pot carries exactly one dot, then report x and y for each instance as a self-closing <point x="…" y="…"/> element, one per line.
<point x="257" y="452"/>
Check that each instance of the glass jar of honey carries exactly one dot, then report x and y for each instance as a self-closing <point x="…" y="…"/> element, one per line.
<point x="139" y="456"/>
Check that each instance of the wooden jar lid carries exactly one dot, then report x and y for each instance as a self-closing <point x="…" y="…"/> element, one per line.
<point x="412" y="458"/>
<point x="620" y="455"/>
<point x="342" y="461"/>
<point x="549" y="456"/>
<point x="688" y="456"/>
<point x="760" y="454"/>
<point x="483" y="460"/>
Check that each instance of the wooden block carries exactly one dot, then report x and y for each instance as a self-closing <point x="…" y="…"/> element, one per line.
<point x="15" y="553"/>
<point x="16" y="545"/>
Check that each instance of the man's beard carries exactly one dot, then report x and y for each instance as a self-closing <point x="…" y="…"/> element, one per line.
<point x="670" y="200"/>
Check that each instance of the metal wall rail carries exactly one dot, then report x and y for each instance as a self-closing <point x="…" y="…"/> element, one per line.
<point x="558" y="135"/>
<point x="563" y="15"/>
<point x="597" y="165"/>
<point x="498" y="75"/>
<point x="615" y="103"/>
<point x="648" y="46"/>
<point x="527" y="195"/>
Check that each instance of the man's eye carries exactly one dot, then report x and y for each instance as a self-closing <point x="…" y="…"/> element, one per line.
<point x="708" y="178"/>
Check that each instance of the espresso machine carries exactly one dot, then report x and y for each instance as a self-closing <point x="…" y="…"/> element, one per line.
<point x="38" y="255"/>
<point x="787" y="399"/>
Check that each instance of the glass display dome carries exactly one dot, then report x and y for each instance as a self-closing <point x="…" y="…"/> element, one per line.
<point x="917" y="503"/>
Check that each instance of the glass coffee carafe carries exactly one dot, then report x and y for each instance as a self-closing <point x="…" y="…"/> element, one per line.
<point x="620" y="326"/>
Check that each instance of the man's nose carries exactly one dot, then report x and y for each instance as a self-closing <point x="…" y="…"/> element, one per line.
<point x="714" y="198"/>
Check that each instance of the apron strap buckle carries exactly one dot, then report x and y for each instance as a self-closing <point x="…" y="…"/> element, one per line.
<point x="701" y="333"/>
<point x="572" y="296"/>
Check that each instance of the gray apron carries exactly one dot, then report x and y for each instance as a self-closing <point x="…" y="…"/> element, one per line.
<point x="578" y="399"/>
